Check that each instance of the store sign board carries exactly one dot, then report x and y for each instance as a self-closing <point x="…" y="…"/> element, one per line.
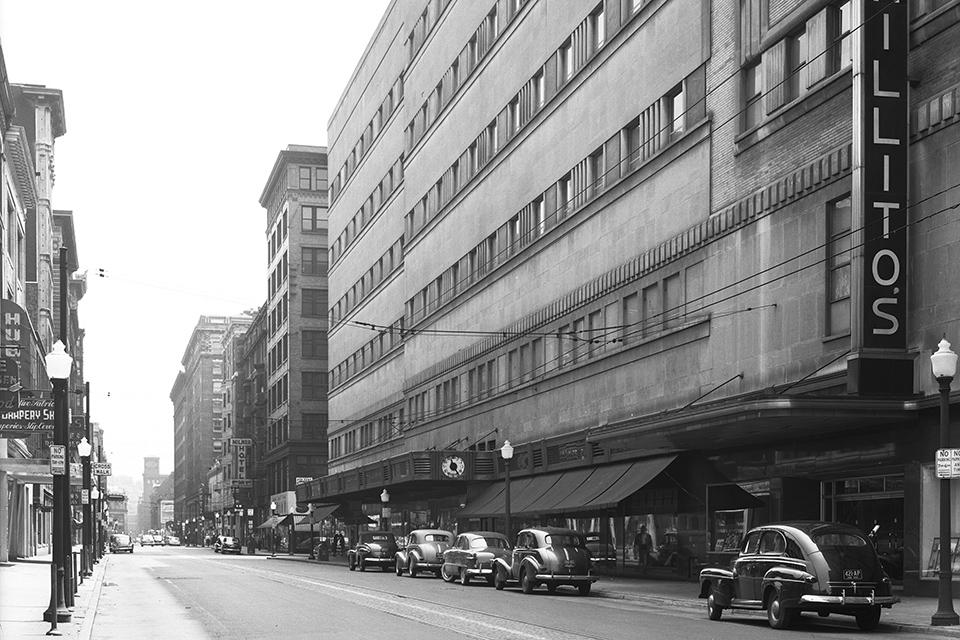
<point x="30" y="416"/>
<point x="948" y="463"/>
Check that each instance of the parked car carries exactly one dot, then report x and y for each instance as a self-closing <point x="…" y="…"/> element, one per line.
<point x="472" y="555"/>
<point x="148" y="540"/>
<point x="600" y="551"/>
<point x="173" y="541"/>
<point x="790" y="567"/>
<point x="424" y="552"/>
<point x="373" y="548"/>
<point x="120" y="543"/>
<point x="226" y="544"/>
<point x="547" y="555"/>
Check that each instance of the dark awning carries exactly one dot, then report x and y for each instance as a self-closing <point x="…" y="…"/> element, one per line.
<point x="321" y="511"/>
<point x="574" y="491"/>
<point x="269" y="523"/>
<point x="731" y="496"/>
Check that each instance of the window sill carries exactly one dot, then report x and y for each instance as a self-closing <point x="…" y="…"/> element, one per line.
<point x="819" y="94"/>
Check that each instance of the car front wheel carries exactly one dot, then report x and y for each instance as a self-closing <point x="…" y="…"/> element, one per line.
<point x="714" y="611"/>
<point x="778" y="616"/>
<point x="869" y="619"/>
<point x="412" y="567"/>
<point x="351" y="564"/>
<point x="399" y="567"/>
<point x="464" y="577"/>
<point x="446" y="574"/>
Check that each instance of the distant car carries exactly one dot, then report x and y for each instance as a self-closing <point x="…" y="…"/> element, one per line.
<point x="376" y="548"/>
<point x="226" y="544"/>
<point x="173" y="541"/>
<point x="472" y="555"/>
<point x="147" y="540"/>
<point x="424" y="552"/>
<point x="120" y="543"/>
<point x="600" y="551"/>
<point x="547" y="555"/>
<point x="790" y="567"/>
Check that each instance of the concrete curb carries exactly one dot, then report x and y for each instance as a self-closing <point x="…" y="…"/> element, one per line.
<point x="85" y="632"/>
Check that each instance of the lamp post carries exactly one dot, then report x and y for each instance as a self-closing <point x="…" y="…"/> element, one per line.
<point x="312" y="556"/>
<point x="384" y="510"/>
<point x="84" y="449"/>
<point x="58" y="370"/>
<point x="944" y="364"/>
<point x="507" y="452"/>
<point x="95" y="524"/>
<point x="273" y="530"/>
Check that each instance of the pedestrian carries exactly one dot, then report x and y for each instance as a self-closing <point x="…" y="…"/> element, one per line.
<point x="642" y="546"/>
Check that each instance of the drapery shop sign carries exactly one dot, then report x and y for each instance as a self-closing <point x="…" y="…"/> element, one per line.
<point x="32" y="415"/>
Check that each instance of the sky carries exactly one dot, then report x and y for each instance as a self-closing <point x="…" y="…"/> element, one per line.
<point x="175" y="113"/>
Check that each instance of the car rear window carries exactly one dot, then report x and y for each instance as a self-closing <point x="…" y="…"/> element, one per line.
<point x="379" y="539"/>
<point x="835" y="539"/>
<point x="564" y="540"/>
<point x="435" y="537"/>
<point x="496" y="543"/>
<point x="846" y="550"/>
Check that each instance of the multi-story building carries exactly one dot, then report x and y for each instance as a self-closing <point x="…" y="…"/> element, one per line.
<point x="688" y="257"/>
<point x="149" y="497"/>
<point x="295" y="199"/>
<point x="197" y="396"/>
<point x="250" y="421"/>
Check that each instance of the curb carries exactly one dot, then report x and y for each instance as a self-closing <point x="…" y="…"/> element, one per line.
<point x="85" y="632"/>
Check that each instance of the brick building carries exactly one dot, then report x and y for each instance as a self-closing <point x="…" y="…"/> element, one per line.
<point x="688" y="257"/>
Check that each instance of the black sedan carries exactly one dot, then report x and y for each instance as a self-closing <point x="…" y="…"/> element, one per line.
<point x="790" y="567"/>
<point x="472" y="556"/>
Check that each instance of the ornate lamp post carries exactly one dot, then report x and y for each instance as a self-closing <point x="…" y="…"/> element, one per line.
<point x="384" y="510"/>
<point x="507" y="452"/>
<point x="273" y="530"/>
<point x="95" y="524"/>
<point x="84" y="449"/>
<point x="944" y="363"/>
<point x="58" y="370"/>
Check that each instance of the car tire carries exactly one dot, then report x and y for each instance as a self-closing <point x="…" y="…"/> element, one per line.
<point x="527" y="584"/>
<point x="399" y="567"/>
<point x="352" y="564"/>
<point x="491" y="580"/>
<point x="714" y="611"/>
<point x="869" y="619"/>
<point x="412" y="569"/>
<point x="361" y="565"/>
<point x="464" y="577"/>
<point x="584" y="588"/>
<point x="499" y="578"/>
<point x="446" y="575"/>
<point x="778" y="616"/>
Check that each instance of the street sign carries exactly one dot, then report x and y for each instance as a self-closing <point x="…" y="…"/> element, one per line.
<point x="948" y="463"/>
<point x="241" y="442"/>
<point x="85" y="496"/>
<point x="101" y="468"/>
<point x="76" y="470"/>
<point x="58" y="459"/>
<point x="241" y="483"/>
<point x="303" y="480"/>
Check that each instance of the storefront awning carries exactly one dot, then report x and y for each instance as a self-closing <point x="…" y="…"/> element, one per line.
<point x="574" y="491"/>
<point x="322" y="511"/>
<point x="269" y="523"/>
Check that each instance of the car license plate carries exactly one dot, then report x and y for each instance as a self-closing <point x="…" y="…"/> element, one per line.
<point x="852" y="574"/>
<point x="569" y="564"/>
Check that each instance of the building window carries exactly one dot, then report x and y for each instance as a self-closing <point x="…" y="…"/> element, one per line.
<point x="599" y="28"/>
<point x="753" y="94"/>
<point x="314" y="344"/>
<point x="676" y="109"/>
<point x="313" y="385"/>
<point x="311" y="218"/>
<point x="513" y="116"/>
<point x="313" y="261"/>
<point x="314" y="303"/>
<point x="843" y="52"/>
<point x="796" y="80"/>
<point x="564" y="62"/>
<point x="838" y="266"/>
<point x="305" y="175"/>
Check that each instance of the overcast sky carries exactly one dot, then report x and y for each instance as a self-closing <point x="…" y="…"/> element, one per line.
<point x="175" y="113"/>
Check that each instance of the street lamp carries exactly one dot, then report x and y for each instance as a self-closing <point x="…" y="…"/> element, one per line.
<point x="507" y="452"/>
<point x="944" y="363"/>
<point x="58" y="363"/>
<point x="384" y="515"/>
<point x="273" y="530"/>
<point x="95" y="499"/>
<point x="84" y="449"/>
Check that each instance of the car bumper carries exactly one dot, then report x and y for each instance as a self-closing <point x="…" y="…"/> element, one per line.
<point x="566" y="578"/>
<point x="849" y="601"/>
<point x="479" y="571"/>
<point x="377" y="561"/>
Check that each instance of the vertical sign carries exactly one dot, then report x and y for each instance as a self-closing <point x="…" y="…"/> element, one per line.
<point x="58" y="459"/>
<point x="884" y="161"/>
<point x="15" y="352"/>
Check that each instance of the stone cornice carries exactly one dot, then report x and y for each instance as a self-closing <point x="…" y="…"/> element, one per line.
<point x="21" y="161"/>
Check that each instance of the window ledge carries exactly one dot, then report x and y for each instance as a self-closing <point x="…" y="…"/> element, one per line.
<point x="819" y="94"/>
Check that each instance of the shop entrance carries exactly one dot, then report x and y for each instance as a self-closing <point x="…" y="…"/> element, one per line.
<point x="875" y="506"/>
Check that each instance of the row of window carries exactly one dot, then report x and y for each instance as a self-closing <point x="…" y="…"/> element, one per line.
<point x="277" y="276"/>
<point x="312" y="218"/>
<point x="313" y="261"/>
<point x="639" y="314"/>
<point x="423" y="26"/>
<point x="313" y="303"/>
<point x="390" y="183"/>
<point x="278" y="354"/>
<point x="369" y="434"/>
<point x="277" y="236"/>
<point x="312" y="178"/>
<point x="784" y="71"/>
<point x="278" y="315"/>
<point x="470" y="56"/>
<point x="380" y="345"/>
<point x="572" y="55"/>
<point x="279" y="392"/>
<point x="642" y="138"/>
<point x="370" y="133"/>
<point x="380" y="271"/>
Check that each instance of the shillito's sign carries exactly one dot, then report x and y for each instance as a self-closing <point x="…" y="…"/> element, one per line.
<point x="32" y="415"/>
<point x="884" y="139"/>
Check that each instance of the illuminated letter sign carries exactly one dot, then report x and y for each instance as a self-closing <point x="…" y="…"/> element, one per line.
<point x="886" y="40"/>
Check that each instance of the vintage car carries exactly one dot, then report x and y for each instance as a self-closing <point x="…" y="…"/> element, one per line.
<point x="600" y="551"/>
<point x="373" y="548"/>
<point x="547" y="555"/>
<point x="120" y="543"/>
<point x="424" y="552"/>
<point x="472" y="556"/>
<point x="790" y="567"/>
<point x="226" y="544"/>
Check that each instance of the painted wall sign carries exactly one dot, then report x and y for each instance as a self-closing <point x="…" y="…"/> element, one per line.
<point x="32" y="415"/>
<point x="884" y="137"/>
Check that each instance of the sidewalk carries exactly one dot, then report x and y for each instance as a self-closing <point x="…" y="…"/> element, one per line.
<point x="911" y="615"/>
<point x="25" y="595"/>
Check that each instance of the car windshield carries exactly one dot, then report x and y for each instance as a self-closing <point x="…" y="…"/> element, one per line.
<point x="121" y="539"/>
<point x="435" y="537"/>
<point x="228" y="540"/>
<point x="564" y="540"/>
<point x="482" y="543"/>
